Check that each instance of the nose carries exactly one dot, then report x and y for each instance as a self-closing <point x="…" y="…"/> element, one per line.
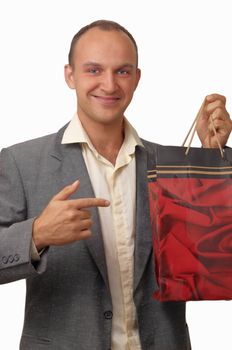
<point x="108" y="83"/>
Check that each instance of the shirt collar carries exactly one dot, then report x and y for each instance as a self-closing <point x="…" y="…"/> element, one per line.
<point x="75" y="133"/>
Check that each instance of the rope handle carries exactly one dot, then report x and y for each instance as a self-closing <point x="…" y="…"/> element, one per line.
<point x="193" y="131"/>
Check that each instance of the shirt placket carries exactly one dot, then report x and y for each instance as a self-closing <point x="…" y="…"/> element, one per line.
<point x="124" y="252"/>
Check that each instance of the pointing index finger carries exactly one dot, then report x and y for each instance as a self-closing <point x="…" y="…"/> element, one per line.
<point x="90" y="202"/>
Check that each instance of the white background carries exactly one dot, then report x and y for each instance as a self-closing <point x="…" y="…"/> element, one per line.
<point x="184" y="53"/>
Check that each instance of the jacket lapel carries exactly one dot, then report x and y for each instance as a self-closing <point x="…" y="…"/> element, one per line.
<point x="143" y="236"/>
<point x="71" y="168"/>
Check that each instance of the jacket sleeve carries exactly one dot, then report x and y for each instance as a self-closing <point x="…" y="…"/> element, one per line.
<point x="15" y="226"/>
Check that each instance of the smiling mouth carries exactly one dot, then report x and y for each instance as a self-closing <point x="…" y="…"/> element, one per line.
<point x="107" y="100"/>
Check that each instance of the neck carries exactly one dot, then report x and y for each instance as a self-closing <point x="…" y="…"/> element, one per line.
<point x="106" y="138"/>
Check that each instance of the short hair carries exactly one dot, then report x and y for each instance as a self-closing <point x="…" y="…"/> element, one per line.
<point x="103" y="25"/>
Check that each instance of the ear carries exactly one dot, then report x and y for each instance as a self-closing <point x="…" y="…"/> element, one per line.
<point x="68" y="74"/>
<point x="138" y="75"/>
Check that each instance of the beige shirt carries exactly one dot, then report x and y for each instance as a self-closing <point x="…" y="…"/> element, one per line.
<point x="118" y="184"/>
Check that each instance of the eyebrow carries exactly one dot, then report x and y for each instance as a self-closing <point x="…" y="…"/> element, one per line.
<point x="91" y="64"/>
<point x="95" y="64"/>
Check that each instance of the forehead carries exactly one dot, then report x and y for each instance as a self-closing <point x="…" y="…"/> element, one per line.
<point x="99" y="45"/>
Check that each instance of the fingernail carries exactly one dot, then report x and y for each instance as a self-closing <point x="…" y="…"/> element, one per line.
<point x="76" y="182"/>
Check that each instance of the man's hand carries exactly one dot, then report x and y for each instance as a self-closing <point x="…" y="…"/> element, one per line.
<point x="65" y="220"/>
<point x="214" y="109"/>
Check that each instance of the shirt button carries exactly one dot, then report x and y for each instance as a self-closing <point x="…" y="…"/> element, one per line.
<point x="108" y="315"/>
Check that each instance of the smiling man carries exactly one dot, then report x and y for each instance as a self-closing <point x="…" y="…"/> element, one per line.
<point x="74" y="215"/>
<point x="103" y="71"/>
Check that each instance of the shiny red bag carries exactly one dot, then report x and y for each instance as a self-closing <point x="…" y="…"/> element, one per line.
<point x="191" y="214"/>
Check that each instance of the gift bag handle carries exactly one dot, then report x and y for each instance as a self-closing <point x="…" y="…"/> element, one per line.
<point x="193" y="130"/>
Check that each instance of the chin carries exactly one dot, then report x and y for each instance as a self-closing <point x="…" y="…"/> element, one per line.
<point x="108" y="120"/>
<point x="106" y="117"/>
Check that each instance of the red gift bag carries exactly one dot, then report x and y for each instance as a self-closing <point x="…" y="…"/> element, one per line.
<point x="191" y="213"/>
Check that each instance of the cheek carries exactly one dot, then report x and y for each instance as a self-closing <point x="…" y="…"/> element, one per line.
<point x="129" y="90"/>
<point x="85" y="85"/>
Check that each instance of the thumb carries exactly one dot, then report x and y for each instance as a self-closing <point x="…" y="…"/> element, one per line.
<point x="67" y="191"/>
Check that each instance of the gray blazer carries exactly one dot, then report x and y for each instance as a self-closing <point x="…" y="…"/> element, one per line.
<point x="68" y="301"/>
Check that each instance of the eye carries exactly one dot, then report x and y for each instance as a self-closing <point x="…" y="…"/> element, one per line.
<point x="123" y="72"/>
<point x="94" y="70"/>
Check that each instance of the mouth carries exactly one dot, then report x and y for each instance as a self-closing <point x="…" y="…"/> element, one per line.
<point x="106" y="100"/>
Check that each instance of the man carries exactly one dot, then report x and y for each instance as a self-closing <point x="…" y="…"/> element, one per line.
<point x="75" y="218"/>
